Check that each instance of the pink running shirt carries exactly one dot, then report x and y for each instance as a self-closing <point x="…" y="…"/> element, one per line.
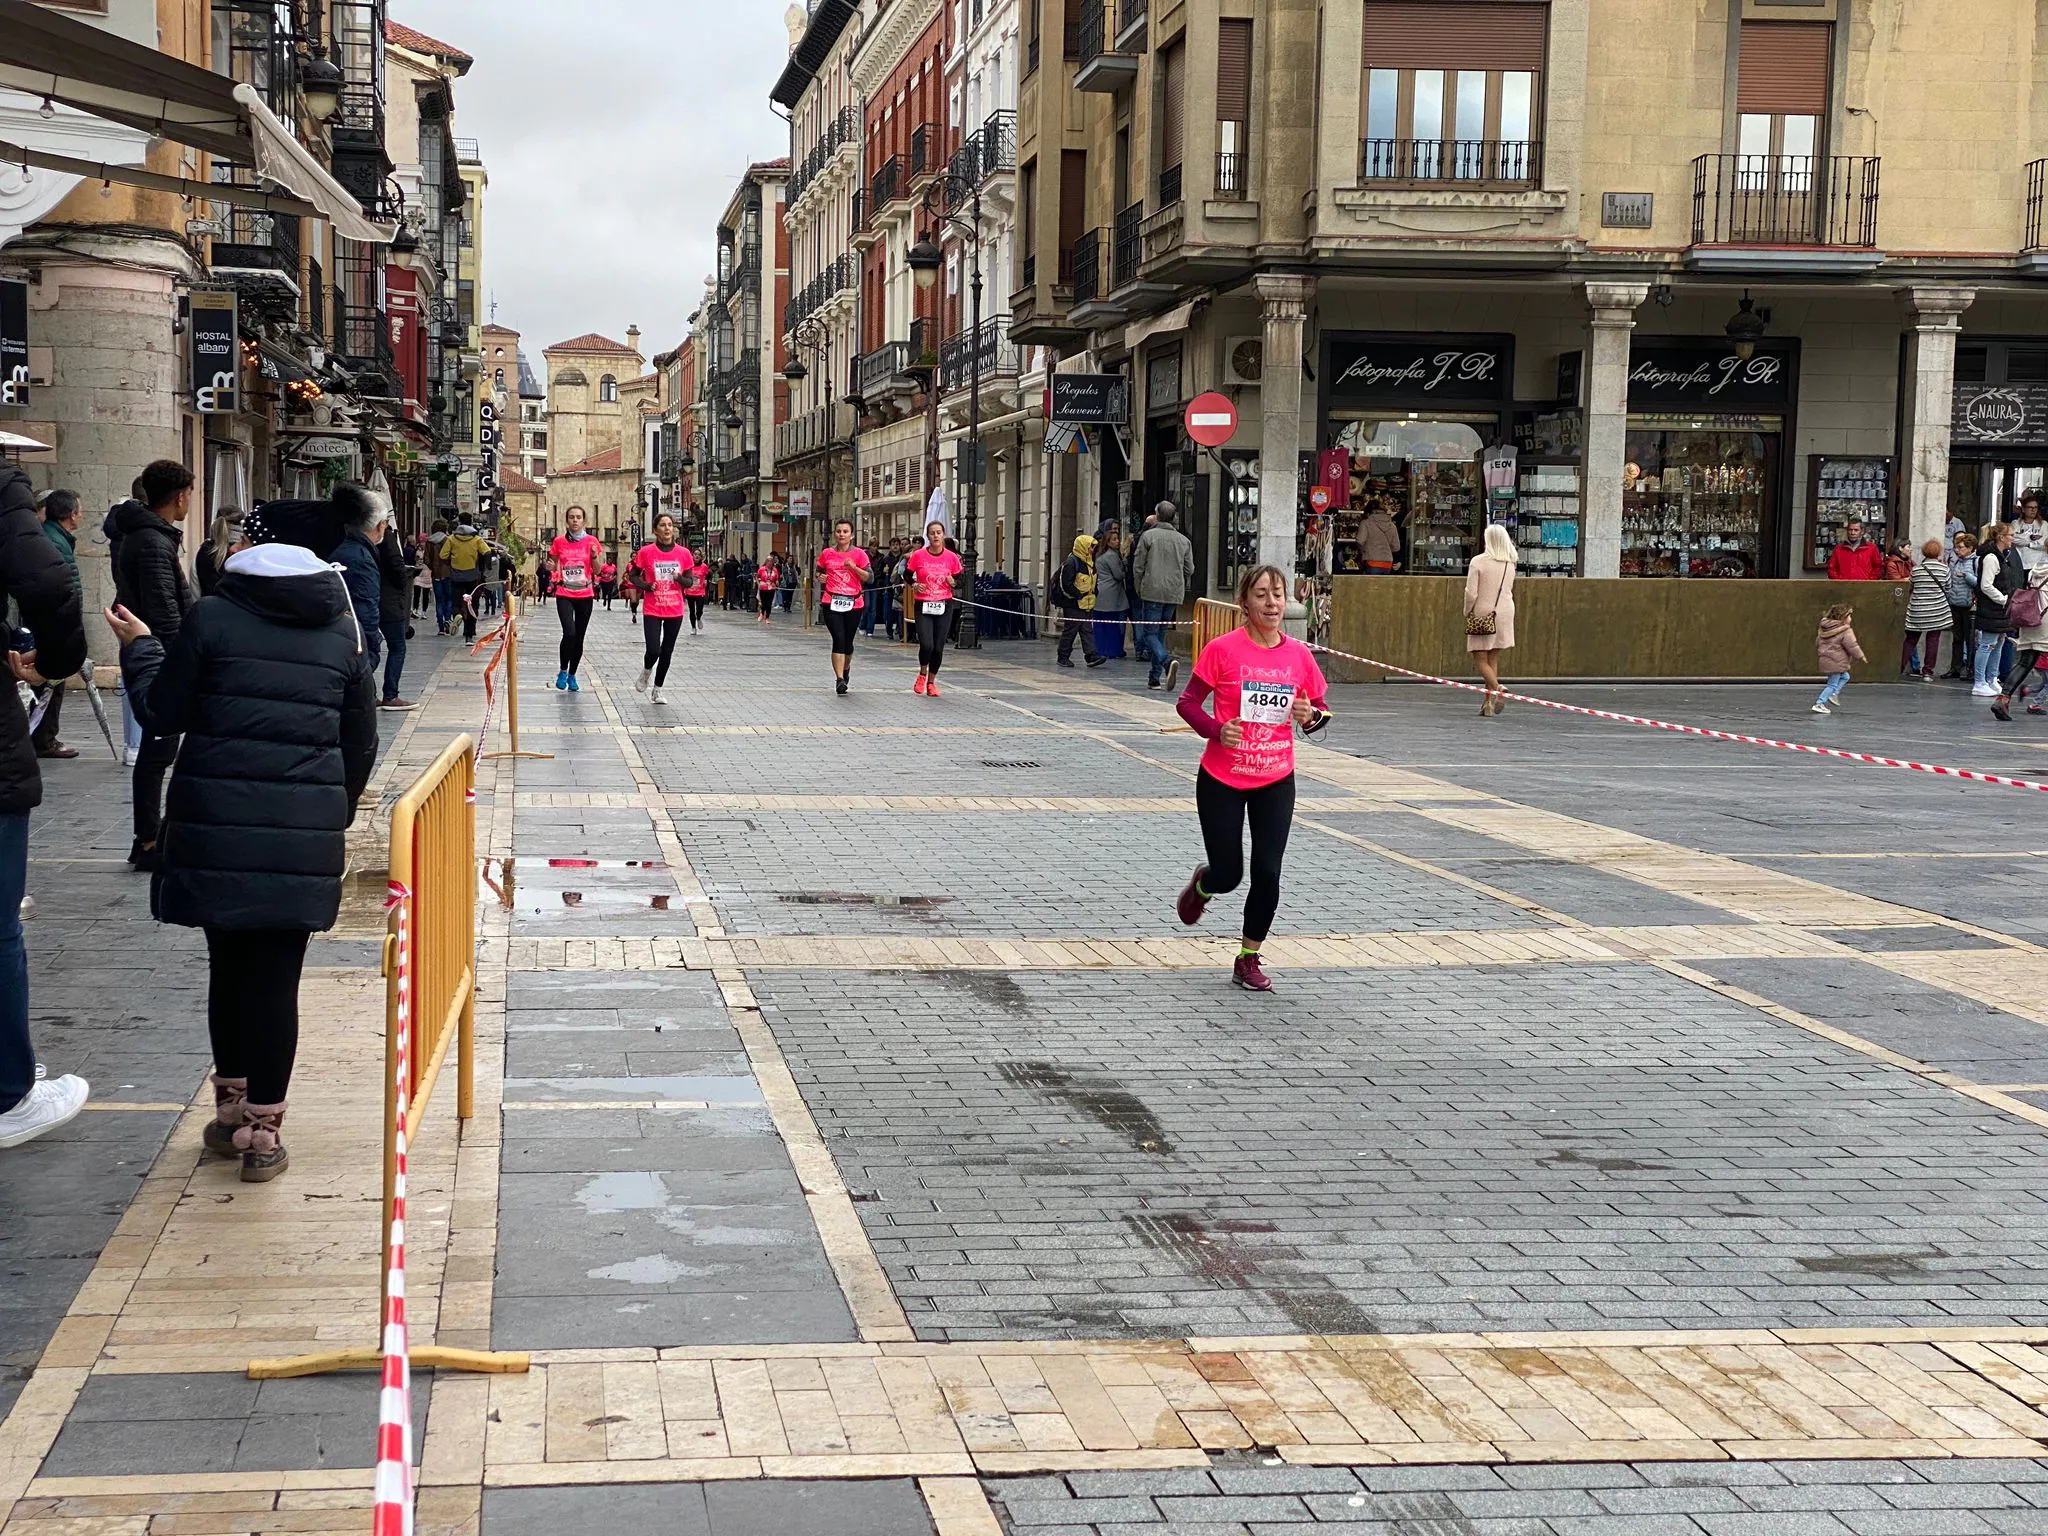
<point x="660" y="574"/>
<point x="575" y="565"/>
<point x="933" y="573"/>
<point x="844" y="572"/>
<point x="1259" y="687"/>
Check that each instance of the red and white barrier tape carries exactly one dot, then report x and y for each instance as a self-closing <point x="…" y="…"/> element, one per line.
<point x="1840" y="753"/>
<point x="490" y="692"/>
<point x="393" y="1487"/>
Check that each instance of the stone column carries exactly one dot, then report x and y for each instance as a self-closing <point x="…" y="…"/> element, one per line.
<point x="1613" y="322"/>
<point x="1933" y="318"/>
<point x="1284" y="302"/>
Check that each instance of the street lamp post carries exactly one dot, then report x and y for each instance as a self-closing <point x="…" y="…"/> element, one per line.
<point x="924" y="262"/>
<point x="813" y="337"/>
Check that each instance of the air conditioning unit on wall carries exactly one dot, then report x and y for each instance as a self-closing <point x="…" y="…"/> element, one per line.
<point x="1244" y="359"/>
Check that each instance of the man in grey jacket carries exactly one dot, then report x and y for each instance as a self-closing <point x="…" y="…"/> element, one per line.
<point x="1162" y="572"/>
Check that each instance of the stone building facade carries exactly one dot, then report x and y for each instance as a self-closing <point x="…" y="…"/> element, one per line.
<point x="598" y="396"/>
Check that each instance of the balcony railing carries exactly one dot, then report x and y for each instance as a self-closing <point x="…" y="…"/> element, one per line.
<point x="963" y="172"/>
<point x="927" y="148"/>
<point x="844" y="127"/>
<point x="863" y="211"/>
<point x="838" y="275"/>
<point x="1231" y="170"/>
<point x="1106" y="61"/>
<point x="1828" y="200"/>
<point x="362" y="339"/>
<point x="2037" y="193"/>
<point x="988" y="348"/>
<point x="998" y="143"/>
<point x="741" y="466"/>
<point x="1089" y="251"/>
<point x="1169" y="186"/>
<point x="1129" y="243"/>
<point x="819" y="430"/>
<point x="924" y="341"/>
<point x="887" y="184"/>
<point x="878" y="367"/>
<point x="1093" y="30"/>
<point x="1487" y="162"/>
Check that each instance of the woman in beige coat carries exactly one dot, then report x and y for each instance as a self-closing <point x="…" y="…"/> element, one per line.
<point x="1490" y="592"/>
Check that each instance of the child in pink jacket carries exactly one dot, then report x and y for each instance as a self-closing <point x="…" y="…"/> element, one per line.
<point x="1838" y="649"/>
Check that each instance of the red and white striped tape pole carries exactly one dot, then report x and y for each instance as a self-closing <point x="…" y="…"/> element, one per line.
<point x="1840" y="753"/>
<point x="393" y="1486"/>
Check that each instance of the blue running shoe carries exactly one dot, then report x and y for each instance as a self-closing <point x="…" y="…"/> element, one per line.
<point x="572" y="684"/>
<point x="562" y="680"/>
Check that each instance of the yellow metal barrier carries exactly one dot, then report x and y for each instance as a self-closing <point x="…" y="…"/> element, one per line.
<point x="510" y="652"/>
<point x="433" y="856"/>
<point x="1213" y="620"/>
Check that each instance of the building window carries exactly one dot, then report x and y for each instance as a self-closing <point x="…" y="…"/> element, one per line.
<point x="1781" y="99"/>
<point x="1453" y="93"/>
<point x="1233" y="105"/>
<point x="608" y="390"/>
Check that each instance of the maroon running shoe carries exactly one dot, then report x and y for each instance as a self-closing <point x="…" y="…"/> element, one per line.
<point x="1193" y="903"/>
<point x="1247" y="974"/>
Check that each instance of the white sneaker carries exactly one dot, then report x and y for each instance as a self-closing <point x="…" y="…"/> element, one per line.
<point x="654" y="697"/>
<point x="130" y="757"/>
<point x="1983" y="691"/>
<point x="646" y="677"/>
<point x="1820" y="709"/>
<point x="51" y="1102"/>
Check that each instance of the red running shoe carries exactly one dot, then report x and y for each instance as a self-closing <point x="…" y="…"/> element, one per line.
<point x="1193" y="903"/>
<point x="918" y="686"/>
<point x="1246" y="974"/>
<point x="931" y="688"/>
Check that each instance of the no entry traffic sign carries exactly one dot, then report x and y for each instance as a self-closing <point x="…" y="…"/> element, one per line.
<point x="1211" y="419"/>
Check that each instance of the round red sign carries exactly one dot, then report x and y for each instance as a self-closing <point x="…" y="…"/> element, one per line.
<point x="1211" y="419"/>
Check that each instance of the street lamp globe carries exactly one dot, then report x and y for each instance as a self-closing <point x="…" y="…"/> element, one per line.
<point x="320" y="82"/>
<point x="795" y="371"/>
<point x="924" y="260"/>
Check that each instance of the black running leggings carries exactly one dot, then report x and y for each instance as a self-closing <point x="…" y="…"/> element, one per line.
<point x="574" y="613"/>
<point x="767" y="601"/>
<point x="661" y="643"/>
<point x="252" y="1006"/>
<point x="931" y="638"/>
<point x="1223" y="811"/>
<point x="840" y="626"/>
<point x="696" y="612"/>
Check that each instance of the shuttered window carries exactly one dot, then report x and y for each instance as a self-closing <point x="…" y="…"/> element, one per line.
<point x="1073" y="205"/>
<point x="1172" y="84"/>
<point x="1455" y="34"/>
<point x="1784" y="68"/>
<point x="1233" y="71"/>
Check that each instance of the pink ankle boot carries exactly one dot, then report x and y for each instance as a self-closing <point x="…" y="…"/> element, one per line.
<point x="229" y="1095"/>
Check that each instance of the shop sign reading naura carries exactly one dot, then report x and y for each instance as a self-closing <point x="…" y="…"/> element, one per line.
<point x="2008" y="413"/>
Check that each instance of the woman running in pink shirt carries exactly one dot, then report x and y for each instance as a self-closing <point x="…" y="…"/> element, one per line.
<point x="1260" y="684"/>
<point x="658" y="573"/>
<point x="576" y="556"/>
<point x="932" y="569"/>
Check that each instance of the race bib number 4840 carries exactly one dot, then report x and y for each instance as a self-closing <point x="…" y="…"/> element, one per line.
<point x="1266" y="703"/>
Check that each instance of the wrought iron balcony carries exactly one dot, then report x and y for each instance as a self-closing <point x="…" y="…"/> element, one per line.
<point x="875" y="369"/>
<point x="863" y="212"/>
<point x="927" y="148"/>
<point x="2037" y="193"/>
<point x="1796" y="200"/>
<point x="362" y="340"/>
<point x="963" y="171"/>
<point x="1169" y="186"/>
<point x="1129" y="243"/>
<point x="889" y="182"/>
<point x="1231" y="172"/>
<point x="997" y="142"/>
<point x="988" y="349"/>
<point x="1463" y="162"/>
<point x="1089" y="253"/>
<point x="741" y="466"/>
<point x="819" y="430"/>
<point x="1101" y="66"/>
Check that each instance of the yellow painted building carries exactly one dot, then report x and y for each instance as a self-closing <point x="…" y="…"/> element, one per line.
<point x="1720" y="273"/>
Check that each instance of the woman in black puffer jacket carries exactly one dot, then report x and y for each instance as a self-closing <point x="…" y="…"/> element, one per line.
<point x="270" y="684"/>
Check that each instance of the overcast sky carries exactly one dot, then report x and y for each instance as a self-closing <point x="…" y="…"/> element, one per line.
<point x="614" y="131"/>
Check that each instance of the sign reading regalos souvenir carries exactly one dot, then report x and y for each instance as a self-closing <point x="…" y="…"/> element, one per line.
<point x="1421" y="368"/>
<point x="216" y="354"/>
<point x="13" y="343"/>
<point x="1709" y="375"/>
<point x="1088" y="399"/>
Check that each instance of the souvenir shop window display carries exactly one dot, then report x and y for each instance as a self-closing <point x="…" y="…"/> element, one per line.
<point x="1692" y="502"/>
<point x="1425" y="476"/>
<point x="1840" y="489"/>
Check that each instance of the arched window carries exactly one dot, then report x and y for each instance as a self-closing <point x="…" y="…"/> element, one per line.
<point x="498" y="378"/>
<point x="608" y="390"/>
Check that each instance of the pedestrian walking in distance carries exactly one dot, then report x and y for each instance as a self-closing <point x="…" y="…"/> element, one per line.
<point x="695" y="593"/>
<point x="1837" y="648"/>
<point x="60" y="512"/>
<point x="466" y="553"/>
<point x="1259" y="684"/>
<point x="931" y="569"/>
<point x="845" y="574"/>
<point x="33" y="576"/>
<point x="1112" y="588"/>
<point x="657" y="572"/>
<point x="271" y="685"/>
<point x="1073" y="589"/>
<point x="1927" y="614"/>
<point x="1490" y="612"/>
<point x="2027" y="609"/>
<point x="149" y="581"/>
<point x="575" y="555"/>
<point x="1162" y="572"/>
<point x="2000" y="573"/>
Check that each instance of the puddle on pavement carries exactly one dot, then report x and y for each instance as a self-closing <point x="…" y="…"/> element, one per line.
<point x="859" y="899"/>
<point x="995" y="989"/>
<point x="1572" y="1157"/>
<point x="608" y="883"/>
<point x="1216" y="1251"/>
<point x="1105" y="1103"/>
<point x="1882" y="1266"/>
<point x="696" y="1090"/>
<point x="608" y="1194"/>
<point x="652" y="1269"/>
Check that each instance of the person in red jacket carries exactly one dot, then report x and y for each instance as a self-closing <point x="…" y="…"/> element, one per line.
<point x="1855" y="558"/>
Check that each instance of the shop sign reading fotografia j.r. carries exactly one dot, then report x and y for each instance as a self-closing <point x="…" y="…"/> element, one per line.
<point x="1420" y="367"/>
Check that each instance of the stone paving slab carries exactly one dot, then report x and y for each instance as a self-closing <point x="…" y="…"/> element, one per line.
<point x="890" y="1507"/>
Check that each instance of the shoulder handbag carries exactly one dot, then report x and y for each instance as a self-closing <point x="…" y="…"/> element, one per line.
<point x="2024" y="607"/>
<point x="1486" y="623"/>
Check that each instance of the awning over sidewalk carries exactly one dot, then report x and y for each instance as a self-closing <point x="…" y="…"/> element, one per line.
<point x="46" y="54"/>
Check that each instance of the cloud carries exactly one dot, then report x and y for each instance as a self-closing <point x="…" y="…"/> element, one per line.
<point x="614" y="132"/>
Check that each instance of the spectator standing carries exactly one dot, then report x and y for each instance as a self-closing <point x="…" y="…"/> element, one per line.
<point x="271" y="683"/>
<point x="33" y="576"/>
<point x="2030" y="532"/>
<point x="361" y="514"/>
<point x="1999" y="575"/>
<point x="1962" y="603"/>
<point x="149" y="581"/>
<point x="394" y="615"/>
<point x="444" y="587"/>
<point x="1927" y="614"/>
<point x="213" y="554"/>
<point x="60" y="512"/>
<point x="1162" y="572"/>
<point x="2027" y="610"/>
<point x="1112" y="603"/>
<point x="728" y="582"/>
<point x="1074" y="590"/>
<point x="110" y="530"/>
<point x="1855" y="558"/>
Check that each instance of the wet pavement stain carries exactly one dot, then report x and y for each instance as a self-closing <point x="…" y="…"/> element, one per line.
<point x="1216" y="1251"/>
<point x="1882" y="1266"/>
<point x="1106" y="1104"/>
<point x="858" y="899"/>
<point x="1572" y="1157"/>
<point x="996" y="989"/>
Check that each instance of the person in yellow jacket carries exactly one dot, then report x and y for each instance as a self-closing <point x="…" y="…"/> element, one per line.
<point x="464" y="551"/>
<point x="1074" y="591"/>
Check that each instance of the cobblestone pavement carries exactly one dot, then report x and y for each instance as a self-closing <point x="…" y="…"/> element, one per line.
<point x="1646" y="1136"/>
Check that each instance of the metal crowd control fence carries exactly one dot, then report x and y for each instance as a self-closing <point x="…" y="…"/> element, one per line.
<point x="430" y="990"/>
<point x="508" y="653"/>
<point x="1213" y="620"/>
